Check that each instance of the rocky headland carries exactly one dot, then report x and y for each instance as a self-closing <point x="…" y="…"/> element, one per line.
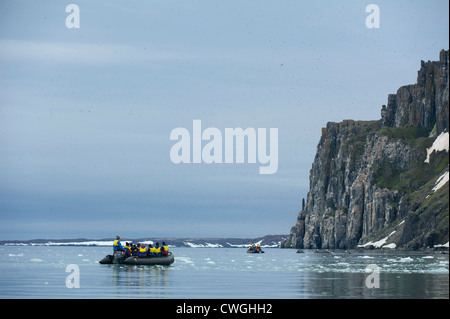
<point x="383" y="183"/>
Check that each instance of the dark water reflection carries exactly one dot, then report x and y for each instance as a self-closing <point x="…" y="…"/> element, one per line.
<point x="353" y="285"/>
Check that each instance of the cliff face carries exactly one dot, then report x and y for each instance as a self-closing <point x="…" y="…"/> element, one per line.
<point x="370" y="184"/>
<point x="424" y="103"/>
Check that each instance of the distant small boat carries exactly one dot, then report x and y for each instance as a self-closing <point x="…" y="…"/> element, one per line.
<point x="249" y="251"/>
<point x="117" y="258"/>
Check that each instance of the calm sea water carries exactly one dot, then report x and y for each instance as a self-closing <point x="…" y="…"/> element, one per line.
<point x="209" y="273"/>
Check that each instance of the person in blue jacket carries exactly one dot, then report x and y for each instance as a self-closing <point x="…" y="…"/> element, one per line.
<point x="117" y="244"/>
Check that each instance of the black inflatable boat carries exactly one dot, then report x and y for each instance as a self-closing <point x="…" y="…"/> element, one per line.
<point x="118" y="258"/>
<point x="249" y="251"/>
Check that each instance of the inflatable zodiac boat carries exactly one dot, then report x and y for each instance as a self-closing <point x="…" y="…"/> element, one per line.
<point x="118" y="258"/>
<point x="249" y="251"/>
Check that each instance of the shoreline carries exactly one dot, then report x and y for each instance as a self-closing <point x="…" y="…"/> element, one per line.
<point x="206" y="242"/>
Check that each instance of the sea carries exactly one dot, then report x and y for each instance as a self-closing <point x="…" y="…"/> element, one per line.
<point x="74" y="272"/>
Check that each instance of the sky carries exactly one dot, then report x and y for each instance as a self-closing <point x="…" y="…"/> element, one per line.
<point x="86" y="113"/>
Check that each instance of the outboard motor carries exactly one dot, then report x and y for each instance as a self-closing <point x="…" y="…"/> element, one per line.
<point x="118" y="257"/>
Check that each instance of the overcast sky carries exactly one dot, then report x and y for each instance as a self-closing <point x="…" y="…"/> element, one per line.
<point x="86" y="113"/>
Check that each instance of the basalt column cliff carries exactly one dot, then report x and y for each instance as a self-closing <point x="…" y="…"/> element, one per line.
<point x="383" y="183"/>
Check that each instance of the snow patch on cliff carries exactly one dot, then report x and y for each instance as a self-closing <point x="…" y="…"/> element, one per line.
<point x="380" y="243"/>
<point x="441" y="181"/>
<point x="439" y="144"/>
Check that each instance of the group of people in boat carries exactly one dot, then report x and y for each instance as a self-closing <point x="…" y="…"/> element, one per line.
<point x="140" y="250"/>
<point x="254" y="247"/>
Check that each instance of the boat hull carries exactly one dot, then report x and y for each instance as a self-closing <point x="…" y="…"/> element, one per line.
<point x="150" y="260"/>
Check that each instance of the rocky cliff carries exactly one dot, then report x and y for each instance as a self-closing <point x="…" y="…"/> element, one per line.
<point x="371" y="183"/>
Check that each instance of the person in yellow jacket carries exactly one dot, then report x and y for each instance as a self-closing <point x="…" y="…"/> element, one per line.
<point x="157" y="250"/>
<point x="117" y="245"/>
<point x="151" y="249"/>
<point x="164" y="249"/>
<point x="154" y="251"/>
<point x="127" y="249"/>
<point x="134" y="250"/>
<point x="142" y="251"/>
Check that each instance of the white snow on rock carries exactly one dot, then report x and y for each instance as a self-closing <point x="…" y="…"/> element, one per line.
<point x="206" y="245"/>
<point x="441" y="245"/>
<point x="380" y="243"/>
<point x="441" y="181"/>
<point x="440" y="144"/>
